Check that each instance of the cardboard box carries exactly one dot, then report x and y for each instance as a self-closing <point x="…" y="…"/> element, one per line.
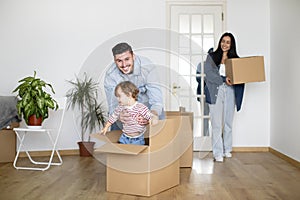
<point x="144" y="170"/>
<point x="245" y="70"/>
<point x="8" y="144"/>
<point x="186" y="157"/>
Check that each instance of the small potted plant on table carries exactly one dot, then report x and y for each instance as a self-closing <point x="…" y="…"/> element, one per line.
<point x="33" y="100"/>
<point x="83" y="95"/>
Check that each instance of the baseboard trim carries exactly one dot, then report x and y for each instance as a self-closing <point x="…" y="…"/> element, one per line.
<point x="268" y="149"/>
<point x="250" y="149"/>
<point x="71" y="152"/>
<point x="285" y="157"/>
<point x="75" y="152"/>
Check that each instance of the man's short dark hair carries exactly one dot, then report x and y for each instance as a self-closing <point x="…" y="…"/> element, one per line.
<point x="121" y="48"/>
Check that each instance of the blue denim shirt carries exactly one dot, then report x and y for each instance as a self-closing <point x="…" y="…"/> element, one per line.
<point x="145" y="76"/>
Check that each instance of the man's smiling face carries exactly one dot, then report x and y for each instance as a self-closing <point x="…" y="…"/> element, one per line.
<point x="124" y="62"/>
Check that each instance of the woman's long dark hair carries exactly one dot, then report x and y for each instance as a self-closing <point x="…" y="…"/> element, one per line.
<point x="218" y="53"/>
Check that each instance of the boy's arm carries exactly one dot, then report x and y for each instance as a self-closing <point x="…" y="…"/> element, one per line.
<point x="105" y="128"/>
<point x="112" y="119"/>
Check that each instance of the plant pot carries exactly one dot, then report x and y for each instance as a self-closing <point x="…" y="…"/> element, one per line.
<point x="86" y="148"/>
<point x="33" y="121"/>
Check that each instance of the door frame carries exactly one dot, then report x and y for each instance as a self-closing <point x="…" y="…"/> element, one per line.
<point x="200" y="143"/>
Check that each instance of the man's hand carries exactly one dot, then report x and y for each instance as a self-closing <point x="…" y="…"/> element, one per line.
<point x="142" y="121"/>
<point x="124" y="116"/>
<point x="154" y="120"/>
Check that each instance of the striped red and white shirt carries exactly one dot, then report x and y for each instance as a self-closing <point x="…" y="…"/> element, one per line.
<point x="131" y="125"/>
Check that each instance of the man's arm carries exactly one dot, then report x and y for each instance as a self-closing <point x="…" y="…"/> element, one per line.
<point x="154" y="91"/>
<point x="109" y="87"/>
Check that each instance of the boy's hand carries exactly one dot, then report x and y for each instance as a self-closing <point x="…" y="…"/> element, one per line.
<point x="103" y="131"/>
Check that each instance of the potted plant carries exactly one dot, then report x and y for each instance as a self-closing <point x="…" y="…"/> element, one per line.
<point x="83" y="95"/>
<point x="34" y="101"/>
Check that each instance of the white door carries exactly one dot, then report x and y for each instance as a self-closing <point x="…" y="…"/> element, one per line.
<point x="199" y="28"/>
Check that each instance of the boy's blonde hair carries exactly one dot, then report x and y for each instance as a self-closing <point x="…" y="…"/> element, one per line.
<point x="128" y="88"/>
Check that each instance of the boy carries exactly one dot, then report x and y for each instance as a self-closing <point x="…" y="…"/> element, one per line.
<point x="133" y="132"/>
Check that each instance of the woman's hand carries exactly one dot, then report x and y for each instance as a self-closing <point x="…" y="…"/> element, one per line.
<point x="228" y="81"/>
<point x="224" y="57"/>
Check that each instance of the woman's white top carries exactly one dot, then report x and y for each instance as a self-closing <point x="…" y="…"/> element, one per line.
<point x="222" y="70"/>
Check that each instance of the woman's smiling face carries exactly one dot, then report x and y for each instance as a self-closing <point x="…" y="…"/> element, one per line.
<point x="226" y="43"/>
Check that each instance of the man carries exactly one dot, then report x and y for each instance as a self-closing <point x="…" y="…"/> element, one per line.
<point x="139" y="70"/>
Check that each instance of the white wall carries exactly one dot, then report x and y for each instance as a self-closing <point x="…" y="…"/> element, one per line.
<point x="57" y="36"/>
<point x="248" y="20"/>
<point x="285" y="70"/>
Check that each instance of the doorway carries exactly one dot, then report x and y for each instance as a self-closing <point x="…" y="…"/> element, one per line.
<point x="199" y="27"/>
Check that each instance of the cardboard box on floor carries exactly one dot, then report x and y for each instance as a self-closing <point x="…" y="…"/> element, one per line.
<point x="144" y="170"/>
<point x="186" y="158"/>
<point x="245" y="70"/>
<point x="8" y="144"/>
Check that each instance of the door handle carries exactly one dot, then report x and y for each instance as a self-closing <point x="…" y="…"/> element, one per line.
<point x="174" y="88"/>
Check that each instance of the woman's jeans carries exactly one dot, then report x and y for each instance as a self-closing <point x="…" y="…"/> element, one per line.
<point x="221" y="116"/>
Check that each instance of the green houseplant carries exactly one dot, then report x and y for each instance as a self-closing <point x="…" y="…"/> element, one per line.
<point x="83" y="95"/>
<point x="34" y="101"/>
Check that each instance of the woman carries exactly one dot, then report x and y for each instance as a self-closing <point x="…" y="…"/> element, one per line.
<point x="222" y="96"/>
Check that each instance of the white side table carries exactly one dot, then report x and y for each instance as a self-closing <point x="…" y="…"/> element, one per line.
<point x="22" y="133"/>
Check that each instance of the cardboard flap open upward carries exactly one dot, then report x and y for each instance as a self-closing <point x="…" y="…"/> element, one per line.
<point x="111" y="136"/>
<point x="128" y="149"/>
<point x="111" y="145"/>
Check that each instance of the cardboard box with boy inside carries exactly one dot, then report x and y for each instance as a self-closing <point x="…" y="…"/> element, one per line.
<point x="148" y="169"/>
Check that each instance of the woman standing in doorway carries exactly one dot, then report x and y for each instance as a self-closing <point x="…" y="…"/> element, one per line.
<point x="222" y="96"/>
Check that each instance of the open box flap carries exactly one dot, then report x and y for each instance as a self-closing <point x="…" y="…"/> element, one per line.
<point x="111" y="146"/>
<point x="128" y="149"/>
<point x="111" y="136"/>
